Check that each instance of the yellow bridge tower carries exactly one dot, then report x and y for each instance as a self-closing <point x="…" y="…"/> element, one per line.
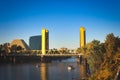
<point x="45" y="41"/>
<point x="82" y="37"/>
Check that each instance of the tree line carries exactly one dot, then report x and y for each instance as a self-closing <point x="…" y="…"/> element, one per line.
<point x="103" y="58"/>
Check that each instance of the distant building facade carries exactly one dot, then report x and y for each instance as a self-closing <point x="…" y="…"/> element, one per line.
<point x="20" y="42"/>
<point x="82" y="36"/>
<point x="45" y="41"/>
<point x="35" y="42"/>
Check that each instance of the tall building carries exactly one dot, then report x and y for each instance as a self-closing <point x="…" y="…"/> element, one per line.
<point x="45" y="41"/>
<point x="82" y="37"/>
<point x="35" y="42"/>
<point x="20" y="42"/>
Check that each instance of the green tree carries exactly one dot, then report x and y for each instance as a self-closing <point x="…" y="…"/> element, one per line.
<point x="13" y="48"/>
<point x="19" y="48"/>
<point x="94" y="53"/>
<point x="81" y="50"/>
<point x="1" y="49"/>
<point x="112" y="44"/>
<point x="4" y="49"/>
<point x="111" y="59"/>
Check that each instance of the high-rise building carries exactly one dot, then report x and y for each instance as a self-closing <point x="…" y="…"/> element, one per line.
<point x="35" y="42"/>
<point x="82" y="37"/>
<point x="45" y="41"/>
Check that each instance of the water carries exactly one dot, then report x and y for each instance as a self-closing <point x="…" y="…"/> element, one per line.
<point x="41" y="71"/>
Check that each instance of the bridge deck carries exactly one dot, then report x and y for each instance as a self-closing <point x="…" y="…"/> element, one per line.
<point x="49" y="55"/>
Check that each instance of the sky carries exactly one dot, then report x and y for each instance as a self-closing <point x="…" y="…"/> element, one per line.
<point x="63" y="18"/>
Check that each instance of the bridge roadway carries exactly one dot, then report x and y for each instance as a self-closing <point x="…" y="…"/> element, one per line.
<point x="18" y="57"/>
<point x="60" y="55"/>
<point x="50" y="55"/>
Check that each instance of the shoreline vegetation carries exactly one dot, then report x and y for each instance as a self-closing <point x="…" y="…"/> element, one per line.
<point x="103" y="58"/>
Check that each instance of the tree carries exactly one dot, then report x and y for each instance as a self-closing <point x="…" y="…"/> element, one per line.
<point x="111" y="59"/>
<point x="19" y="48"/>
<point x="13" y="48"/>
<point x="112" y="44"/>
<point x="5" y="49"/>
<point x="94" y="53"/>
<point x="1" y="49"/>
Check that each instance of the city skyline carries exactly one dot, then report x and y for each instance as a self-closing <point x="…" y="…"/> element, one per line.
<point x="63" y="18"/>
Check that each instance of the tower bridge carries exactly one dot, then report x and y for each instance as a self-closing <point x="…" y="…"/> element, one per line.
<point x="45" y="52"/>
<point x="45" y="39"/>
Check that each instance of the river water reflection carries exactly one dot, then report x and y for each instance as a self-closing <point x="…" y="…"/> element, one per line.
<point x="41" y="71"/>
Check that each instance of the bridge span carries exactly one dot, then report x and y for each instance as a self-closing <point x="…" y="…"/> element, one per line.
<point x="55" y="55"/>
<point x="38" y="57"/>
<point x="60" y="55"/>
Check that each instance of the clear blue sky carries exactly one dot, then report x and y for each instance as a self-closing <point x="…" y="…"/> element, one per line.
<point x="63" y="18"/>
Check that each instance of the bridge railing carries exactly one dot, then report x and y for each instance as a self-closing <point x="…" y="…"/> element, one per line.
<point x="71" y="54"/>
<point x="48" y="52"/>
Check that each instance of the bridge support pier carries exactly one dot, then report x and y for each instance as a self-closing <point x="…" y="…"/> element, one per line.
<point x="42" y="59"/>
<point x="14" y="60"/>
<point x="45" y="59"/>
<point x="84" y="66"/>
<point x="84" y="69"/>
<point x="80" y="59"/>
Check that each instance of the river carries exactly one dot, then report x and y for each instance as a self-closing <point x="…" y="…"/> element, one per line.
<point x="56" y="70"/>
